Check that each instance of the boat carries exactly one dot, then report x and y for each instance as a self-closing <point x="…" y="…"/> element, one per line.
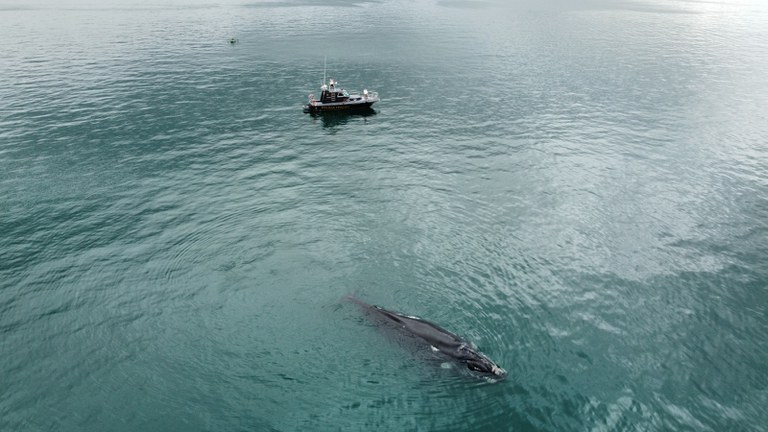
<point x="335" y="99"/>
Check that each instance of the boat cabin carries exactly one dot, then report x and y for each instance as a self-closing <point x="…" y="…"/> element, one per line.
<point x="331" y="94"/>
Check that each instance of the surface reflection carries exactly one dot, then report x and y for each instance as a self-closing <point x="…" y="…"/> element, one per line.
<point x="335" y="119"/>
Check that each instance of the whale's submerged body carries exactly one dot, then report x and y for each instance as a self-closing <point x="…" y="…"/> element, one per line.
<point x="440" y="340"/>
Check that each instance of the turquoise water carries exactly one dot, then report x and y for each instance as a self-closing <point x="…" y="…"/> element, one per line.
<point x="580" y="188"/>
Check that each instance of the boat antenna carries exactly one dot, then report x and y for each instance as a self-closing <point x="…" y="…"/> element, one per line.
<point x="325" y="64"/>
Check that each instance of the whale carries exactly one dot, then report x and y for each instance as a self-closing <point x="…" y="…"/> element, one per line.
<point x="440" y="342"/>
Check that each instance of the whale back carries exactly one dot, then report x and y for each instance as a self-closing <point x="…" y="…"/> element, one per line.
<point x="431" y="333"/>
<point x="438" y="338"/>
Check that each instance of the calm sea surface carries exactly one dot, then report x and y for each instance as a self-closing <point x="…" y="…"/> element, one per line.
<point x="578" y="187"/>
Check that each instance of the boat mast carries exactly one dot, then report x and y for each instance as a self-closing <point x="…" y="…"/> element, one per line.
<point x="325" y="63"/>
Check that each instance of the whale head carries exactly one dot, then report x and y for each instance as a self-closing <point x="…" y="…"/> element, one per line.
<point x="479" y="363"/>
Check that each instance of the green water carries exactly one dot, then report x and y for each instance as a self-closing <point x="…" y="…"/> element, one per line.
<point x="579" y="188"/>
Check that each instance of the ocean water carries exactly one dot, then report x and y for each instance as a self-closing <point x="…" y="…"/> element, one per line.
<point x="578" y="187"/>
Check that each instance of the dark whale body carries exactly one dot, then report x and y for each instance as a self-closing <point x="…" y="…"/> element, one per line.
<point x="439" y="339"/>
